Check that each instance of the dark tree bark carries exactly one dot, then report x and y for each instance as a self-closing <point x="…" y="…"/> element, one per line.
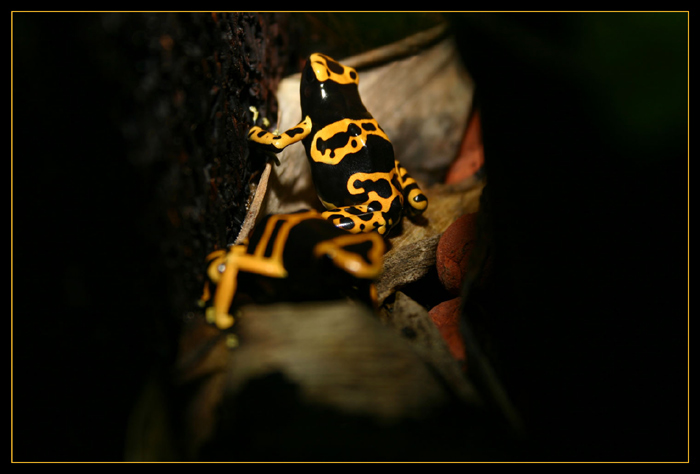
<point x="130" y="164"/>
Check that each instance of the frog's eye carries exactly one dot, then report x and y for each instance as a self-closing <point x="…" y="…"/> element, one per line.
<point x="217" y="266"/>
<point x="309" y="74"/>
<point x="310" y="83"/>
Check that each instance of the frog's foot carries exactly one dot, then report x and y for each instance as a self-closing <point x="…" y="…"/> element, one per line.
<point x="413" y="195"/>
<point x="362" y="218"/>
<point x="256" y="114"/>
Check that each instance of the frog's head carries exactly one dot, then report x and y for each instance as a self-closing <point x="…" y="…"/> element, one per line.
<point x="327" y="85"/>
<point x="324" y="68"/>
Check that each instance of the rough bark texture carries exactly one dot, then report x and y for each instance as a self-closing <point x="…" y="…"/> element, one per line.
<point x="131" y="159"/>
<point x="203" y="74"/>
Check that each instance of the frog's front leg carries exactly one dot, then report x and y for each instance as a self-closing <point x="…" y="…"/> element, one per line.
<point x="275" y="143"/>
<point x="223" y="272"/>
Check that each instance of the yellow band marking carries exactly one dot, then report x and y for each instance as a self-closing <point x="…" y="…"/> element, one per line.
<point x="352" y="262"/>
<point x="275" y="259"/>
<point x="353" y="145"/>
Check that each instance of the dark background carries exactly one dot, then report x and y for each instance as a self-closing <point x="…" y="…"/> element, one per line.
<point x="585" y="122"/>
<point x="585" y="129"/>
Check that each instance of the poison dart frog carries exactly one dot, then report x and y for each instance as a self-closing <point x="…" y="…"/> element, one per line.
<point x="357" y="179"/>
<point x="299" y="256"/>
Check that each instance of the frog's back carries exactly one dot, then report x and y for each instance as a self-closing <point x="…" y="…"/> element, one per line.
<point x="345" y="139"/>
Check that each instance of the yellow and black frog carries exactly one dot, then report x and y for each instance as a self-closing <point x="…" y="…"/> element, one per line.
<point x="356" y="176"/>
<point x="298" y="256"/>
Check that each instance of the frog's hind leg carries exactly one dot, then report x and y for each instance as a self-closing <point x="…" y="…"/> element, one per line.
<point x="367" y="217"/>
<point x="413" y="195"/>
